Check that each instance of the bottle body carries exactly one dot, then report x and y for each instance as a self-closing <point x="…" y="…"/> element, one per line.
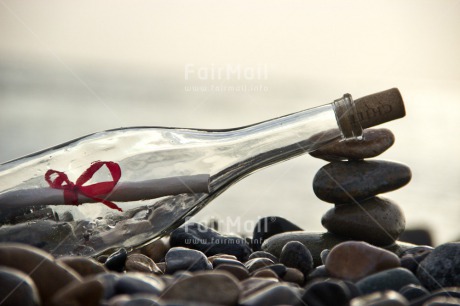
<point x="154" y="177"/>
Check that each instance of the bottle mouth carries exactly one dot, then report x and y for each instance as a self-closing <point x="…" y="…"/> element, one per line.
<point x="347" y="118"/>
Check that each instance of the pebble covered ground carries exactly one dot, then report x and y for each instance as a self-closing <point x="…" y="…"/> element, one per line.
<point x="357" y="261"/>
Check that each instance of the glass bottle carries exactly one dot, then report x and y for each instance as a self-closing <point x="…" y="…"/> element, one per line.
<point x="126" y="187"/>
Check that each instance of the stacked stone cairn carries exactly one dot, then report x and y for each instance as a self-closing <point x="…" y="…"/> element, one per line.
<point x="357" y="262"/>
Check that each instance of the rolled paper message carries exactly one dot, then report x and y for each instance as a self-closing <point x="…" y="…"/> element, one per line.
<point x="122" y="192"/>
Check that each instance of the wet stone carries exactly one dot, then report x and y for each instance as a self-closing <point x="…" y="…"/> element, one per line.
<point x="84" y="266"/>
<point x="277" y="294"/>
<point x="132" y="283"/>
<point x="240" y="273"/>
<point x="374" y="143"/>
<point x="39" y="265"/>
<point x="221" y="288"/>
<point x="199" y="237"/>
<point x="377" y="220"/>
<point x="296" y="255"/>
<point x="392" y="279"/>
<point x="268" y="227"/>
<point x="17" y="288"/>
<point x="353" y="260"/>
<point x="328" y="292"/>
<point x="179" y="258"/>
<point x="315" y="243"/>
<point x="141" y="263"/>
<point x="385" y="298"/>
<point x="441" y="267"/>
<point x="338" y="182"/>
<point x="87" y="293"/>
<point x="257" y="263"/>
<point x="263" y="254"/>
<point x="116" y="261"/>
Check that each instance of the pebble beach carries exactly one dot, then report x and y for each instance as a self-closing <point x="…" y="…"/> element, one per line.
<point x="357" y="260"/>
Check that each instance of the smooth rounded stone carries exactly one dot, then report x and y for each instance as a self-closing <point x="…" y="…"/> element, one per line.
<point x="353" y="260"/>
<point x="199" y="237"/>
<point x="318" y="272"/>
<point x="268" y="227"/>
<point x="162" y="267"/>
<point x="399" y="247"/>
<point x="328" y="292"/>
<point x="102" y="258"/>
<point x="315" y="243"/>
<point x="392" y="279"/>
<point x="116" y="261"/>
<point x="179" y="258"/>
<point x="441" y="268"/>
<point x="225" y="256"/>
<point x="444" y="292"/>
<point x="257" y="263"/>
<point x="374" y="143"/>
<point x="279" y="269"/>
<point x="221" y="261"/>
<point x="377" y="220"/>
<point x="132" y="283"/>
<point x="263" y="254"/>
<point x="276" y="294"/>
<point x="412" y="292"/>
<point x="87" y="293"/>
<point x="294" y="276"/>
<point x="296" y="255"/>
<point x="84" y="266"/>
<point x="156" y="250"/>
<point x="141" y="263"/>
<point x="17" y="288"/>
<point x="134" y="300"/>
<point x="254" y="284"/>
<point x="208" y="287"/>
<point x="347" y="182"/>
<point x="443" y="301"/>
<point x="323" y="255"/>
<point x="384" y="298"/>
<point x="39" y="265"/>
<point x="108" y="281"/>
<point x="418" y="236"/>
<point x="241" y="273"/>
<point x="412" y="258"/>
<point x="265" y="273"/>
<point x="44" y="234"/>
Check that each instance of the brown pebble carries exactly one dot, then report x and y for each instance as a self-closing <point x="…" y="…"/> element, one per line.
<point x="156" y="250"/>
<point x="265" y="273"/>
<point x="353" y="260"/>
<point x="48" y="275"/>
<point x="294" y="276"/>
<point x="216" y="287"/>
<point x="141" y="263"/>
<point x="374" y="143"/>
<point x="226" y="256"/>
<point x="87" y="293"/>
<point x="85" y="266"/>
<point x="255" y="284"/>
<point x="239" y="272"/>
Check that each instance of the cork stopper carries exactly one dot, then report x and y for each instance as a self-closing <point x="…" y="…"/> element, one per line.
<point x="380" y="107"/>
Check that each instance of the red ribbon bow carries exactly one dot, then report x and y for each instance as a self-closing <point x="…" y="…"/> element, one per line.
<point x="71" y="190"/>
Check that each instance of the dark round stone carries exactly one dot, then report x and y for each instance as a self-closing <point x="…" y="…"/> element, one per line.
<point x="411" y="259"/>
<point x="318" y="272"/>
<point x="382" y="298"/>
<point x="377" y="220"/>
<point x="133" y="283"/>
<point x="270" y="226"/>
<point x="116" y="261"/>
<point x="296" y="255"/>
<point x="276" y="294"/>
<point x="263" y="254"/>
<point x="221" y="261"/>
<point x="257" y="263"/>
<point x="392" y="279"/>
<point x="315" y="243"/>
<point x="441" y="268"/>
<point x="199" y="237"/>
<point x="279" y="269"/>
<point x="413" y="292"/>
<point x="87" y="293"/>
<point x="328" y="292"/>
<point x="240" y="273"/>
<point x="374" y="143"/>
<point x="17" y="288"/>
<point x="179" y="258"/>
<point x="453" y="292"/>
<point x="346" y="182"/>
<point x="323" y="255"/>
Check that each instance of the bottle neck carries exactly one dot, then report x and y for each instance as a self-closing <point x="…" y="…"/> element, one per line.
<point x="268" y="142"/>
